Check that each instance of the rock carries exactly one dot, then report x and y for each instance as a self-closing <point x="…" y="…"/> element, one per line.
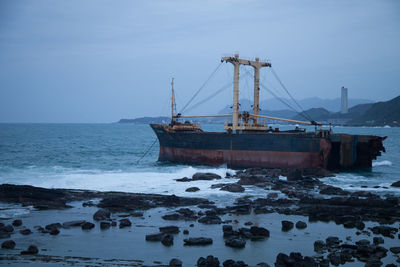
<point x="101" y="214"/>
<point x="234" y="188"/>
<point x="73" y="223"/>
<point x="232" y="263"/>
<point x="319" y="246"/>
<point x="25" y="231"/>
<point x="294" y="175"/>
<point x="212" y="219"/>
<point x="384" y="230"/>
<point x="167" y="240"/>
<point x="169" y="229"/>
<point x="184" y="179"/>
<point x="7" y="229"/>
<point x="155" y="237"/>
<point x="53" y="226"/>
<point x="124" y="223"/>
<point x="378" y="240"/>
<point x="235" y="242"/>
<point x="396" y="184"/>
<point x="301" y="225"/>
<point x="248" y="223"/>
<point x="8" y="244"/>
<point x="332" y="190"/>
<point x="395" y="250"/>
<point x="259" y="231"/>
<point x="205" y="176"/>
<point x="175" y="263"/>
<point x="334" y="258"/>
<point x="198" y="241"/>
<point x="192" y="189"/>
<point x="17" y="223"/>
<point x="210" y="261"/>
<point x="87" y="226"/>
<point x="105" y="225"/>
<point x="262" y="264"/>
<point x="332" y="241"/>
<point x="137" y="214"/>
<point x="287" y="226"/>
<point x="363" y="242"/>
<point x="31" y="250"/>
<point x="185" y="232"/>
<point x="54" y="231"/>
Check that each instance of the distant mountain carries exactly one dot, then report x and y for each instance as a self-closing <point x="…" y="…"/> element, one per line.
<point x="146" y="120"/>
<point x="380" y="114"/>
<point x="316" y="114"/>
<point x="273" y="104"/>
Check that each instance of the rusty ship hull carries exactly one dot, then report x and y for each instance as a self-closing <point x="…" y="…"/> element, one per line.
<point x="267" y="149"/>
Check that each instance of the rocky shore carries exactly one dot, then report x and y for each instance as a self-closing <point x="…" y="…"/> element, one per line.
<point x="365" y="226"/>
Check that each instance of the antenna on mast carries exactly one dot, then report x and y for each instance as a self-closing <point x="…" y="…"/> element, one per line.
<point x="173" y="104"/>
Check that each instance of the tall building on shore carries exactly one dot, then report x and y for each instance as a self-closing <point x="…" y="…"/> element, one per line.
<point x="344" y="107"/>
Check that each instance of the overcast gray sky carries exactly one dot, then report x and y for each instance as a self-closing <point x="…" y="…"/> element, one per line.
<point x="99" y="61"/>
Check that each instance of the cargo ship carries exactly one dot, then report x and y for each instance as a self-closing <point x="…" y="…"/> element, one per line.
<point x="247" y="143"/>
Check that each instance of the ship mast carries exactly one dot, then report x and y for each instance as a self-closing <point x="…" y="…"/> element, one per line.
<point x="173" y="104"/>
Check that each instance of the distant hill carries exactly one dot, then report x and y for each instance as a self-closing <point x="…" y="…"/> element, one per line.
<point x="380" y="114"/>
<point x="146" y="120"/>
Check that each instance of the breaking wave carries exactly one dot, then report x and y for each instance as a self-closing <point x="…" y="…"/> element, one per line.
<point x="382" y="163"/>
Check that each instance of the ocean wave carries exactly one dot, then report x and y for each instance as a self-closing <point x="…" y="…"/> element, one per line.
<point x="382" y="163"/>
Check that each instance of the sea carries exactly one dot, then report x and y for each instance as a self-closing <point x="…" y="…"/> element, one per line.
<point x="123" y="157"/>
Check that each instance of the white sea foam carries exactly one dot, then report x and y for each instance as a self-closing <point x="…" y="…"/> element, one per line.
<point x="382" y="163"/>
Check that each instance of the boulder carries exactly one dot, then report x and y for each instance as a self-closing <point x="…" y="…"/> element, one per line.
<point x="53" y="226"/>
<point x="155" y="237"/>
<point x="234" y="188"/>
<point x="232" y="263"/>
<point x="124" y="223"/>
<point x="185" y="232"/>
<point x="378" y="240"/>
<point x="396" y="184"/>
<point x="169" y="229"/>
<point x="26" y="231"/>
<point x="259" y="231"/>
<point x="101" y="214"/>
<point x="105" y="225"/>
<point x="87" y="226"/>
<point x="212" y="219"/>
<point x="287" y="226"/>
<point x="301" y="225"/>
<point x="198" y="241"/>
<point x="175" y="263"/>
<point x="73" y="223"/>
<point x="8" y="244"/>
<point x="192" y="189"/>
<point x="167" y="240"/>
<point x="395" y="250"/>
<point x="210" y="261"/>
<point x="332" y="241"/>
<point x="17" y="223"/>
<point x="184" y="179"/>
<point x="294" y="175"/>
<point x="205" y="176"/>
<point x="31" y="250"/>
<point x="319" y="246"/>
<point x="235" y="242"/>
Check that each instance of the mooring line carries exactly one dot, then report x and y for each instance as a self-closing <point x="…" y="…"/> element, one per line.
<point x="147" y="151"/>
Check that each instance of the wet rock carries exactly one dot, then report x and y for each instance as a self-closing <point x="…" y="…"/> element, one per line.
<point x="73" y="223"/>
<point x="175" y="263"/>
<point x="184" y="179"/>
<point x="205" y="176"/>
<point x="301" y="225"/>
<point x="198" y="241"/>
<point x="396" y="184"/>
<point x="8" y="244"/>
<point x="319" y="246"/>
<point x="234" y="188"/>
<point x="113" y="223"/>
<point x="294" y="175"/>
<point x="332" y="190"/>
<point x="167" y="240"/>
<point x="17" y="223"/>
<point x="192" y="189"/>
<point x="87" y="226"/>
<point x="88" y="204"/>
<point x="287" y="226"/>
<point x="25" y="231"/>
<point x="185" y="232"/>
<point x="384" y="230"/>
<point x="363" y="242"/>
<point x="54" y="231"/>
<point x="169" y="229"/>
<point x="262" y="264"/>
<point x="232" y="263"/>
<point x="212" y="219"/>
<point x="31" y="250"/>
<point x="101" y="214"/>
<point x="105" y="225"/>
<point x="395" y="250"/>
<point x="136" y="214"/>
<point x="124" y="223"/>
<point x="248" y="223"/>
<point x="155" y="237"/>
<point x="334" y="258"/>
<point x="210" y="261"/>
<point x="332" y="241"/>
<point x="378" y="240"/>
<point x="259" y="231"/>
<point x="181" y="214"/>
<point x="235" y="242"/>
<point x="7" y="229"/>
